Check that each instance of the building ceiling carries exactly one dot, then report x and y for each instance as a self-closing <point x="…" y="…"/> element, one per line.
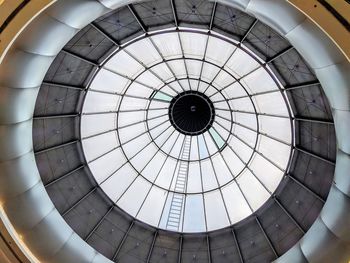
<point x="62" y="160"/>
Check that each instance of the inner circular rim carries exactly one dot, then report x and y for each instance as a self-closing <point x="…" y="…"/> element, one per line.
<point x="182" y="113"/>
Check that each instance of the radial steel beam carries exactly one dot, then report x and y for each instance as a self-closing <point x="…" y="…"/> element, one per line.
<point x="306" y="188"/>
<point x="59" y="85"/>
<point x="173" y="9"/>
<point x="279" y="54"/>
<point x="64" y="176"/>
<point x="152" y="247"/>
<point x="98" y="223"/>
<point x="237" y="245"/>
<point x="249" y="30"/>
<point x="179" y="258"/>
<point x="212" y="16"/>
<point x="44" y="117"/>
<point x="138" y="19"/>
<point x="122" y="241"/>
<point x="56" y="147"/>
<point x="80" y="57"/>
<point x="266" y="237"/>
<point x="103" y="32"/>
<point x="302" y="85"/>
<point x="329" y="122"/>
<point x="315" y="156"/>
<point x="79" y="201"/>
<point x="289" y="215"/>
<point x="208" y="249"/>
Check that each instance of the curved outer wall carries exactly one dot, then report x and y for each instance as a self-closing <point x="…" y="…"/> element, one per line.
<point x="22" y="193"/>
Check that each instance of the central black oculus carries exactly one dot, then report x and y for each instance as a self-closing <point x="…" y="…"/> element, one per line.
<point x="191" y="112"/>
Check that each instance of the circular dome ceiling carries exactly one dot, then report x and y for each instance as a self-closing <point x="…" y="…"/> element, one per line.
<point x="186" y="131"/>
<point x="116" y="80"/>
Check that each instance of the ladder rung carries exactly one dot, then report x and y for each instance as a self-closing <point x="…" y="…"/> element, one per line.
<point x="173" y="223"/>
<point x="177" y="216"/>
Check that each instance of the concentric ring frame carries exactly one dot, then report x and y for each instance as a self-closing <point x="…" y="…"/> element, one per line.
<point x="262" y="65"/>
<point x="23" y="196"/>
<point x="236" y="44"/>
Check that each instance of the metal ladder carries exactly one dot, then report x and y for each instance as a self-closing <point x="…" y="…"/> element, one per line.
<point x="177" y="201"/>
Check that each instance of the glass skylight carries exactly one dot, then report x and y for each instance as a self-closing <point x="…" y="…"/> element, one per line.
<point x="186" y="131"/>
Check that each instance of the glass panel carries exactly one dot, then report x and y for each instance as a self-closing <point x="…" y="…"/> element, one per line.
<point x="133" y="147"/>
<point x="178" y="67"/>
<point x="107" y="165"/>
<point x="166" y="175"/>
<point x="209" y="72"/>
<point x="219" y="141"/>
<point x="174" y="139"/>
<point x="241" y="149"/>
<point x="150" y="80"/>
<point x="95" y="146"/>
<point x="246" y="135"/>
<point x="222" y="172"/>
<point x="143" y="157"/>
<point x="267" y="84"/>
<point x="153" y="168"/>
<point x="211" y="146"/>
<point x="154" y="202"/>
<point x="123" y="178"/>
<point x="279" y="128"/>
<point x="163" y="72"/>
<point x="233" y="162"/>
<point x="194" y="214"/>
<point x="162" y="96"/>
<point x="193" y="68"/>
<point x="272" y="103"/>
<point x="108" y="81"/>
<point x="132" y="200"/>
<point x="133" y="104"/>
<point x="241" y="64"/>
<point x="124" y="65"/>
<point x="243" y="104"/>
<point x="218" y="51"/>
<point x="223" y="80"/>
<point x="194" y="181"/>
<point x="148" y="58"/>
<point x="203" y="153"/>
<point x="267" y="173"/>
<point x="128" y="134"/>
<point x="168" y="44"/>
<point x="128" y="118"/>
<point x="215" y="211"/>
<point x="220" y="130"/>
<point x="193" y="48"/>
<point x="254" y="192"/>
<point x="208" y="175"/>
<point x="274" y="150"/>
<point x="93" y="124"/>
<point x="234" y="91"/>
<point x="194" y="148"/>
<point x="236" y="205"/>
<point x="246" y="119"/>
<point x="100" y="102"/>
<point x="139" y="90"/>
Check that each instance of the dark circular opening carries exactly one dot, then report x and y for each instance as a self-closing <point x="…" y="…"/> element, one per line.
<point x="191" y="113"/>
